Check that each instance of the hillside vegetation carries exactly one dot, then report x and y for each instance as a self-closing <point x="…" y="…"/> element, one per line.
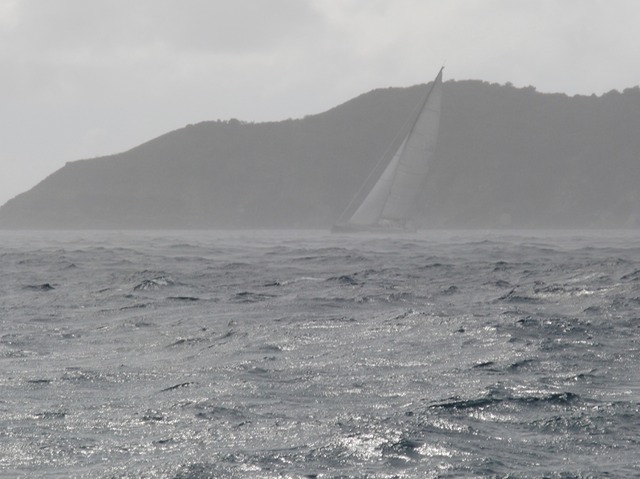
<point x="506" y="157"/>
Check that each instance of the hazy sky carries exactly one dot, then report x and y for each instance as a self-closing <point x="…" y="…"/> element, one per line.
<point x="85" y="78"/>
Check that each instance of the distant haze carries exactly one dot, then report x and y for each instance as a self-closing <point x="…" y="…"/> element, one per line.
<point x="506" y="158"/>
<point x="90" y="78"/>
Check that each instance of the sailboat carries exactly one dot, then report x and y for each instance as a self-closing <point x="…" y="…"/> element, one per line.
<point x="386" y="199"/>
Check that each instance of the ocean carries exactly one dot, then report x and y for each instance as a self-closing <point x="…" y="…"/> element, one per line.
<point x="301" y="354"/>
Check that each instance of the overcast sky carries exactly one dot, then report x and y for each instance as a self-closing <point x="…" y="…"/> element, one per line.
<point x="86" y="78"/>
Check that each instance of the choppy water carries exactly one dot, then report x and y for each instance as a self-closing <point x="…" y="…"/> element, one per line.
<point x="267" y="355"/>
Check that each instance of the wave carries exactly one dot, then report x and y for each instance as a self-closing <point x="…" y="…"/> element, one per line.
<point x="457" y="404"/>
<point x="157" y="282"/>
<point x="40" y="287"/>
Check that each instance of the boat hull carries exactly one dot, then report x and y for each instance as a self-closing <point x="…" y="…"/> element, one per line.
<point x="346" y="228"/>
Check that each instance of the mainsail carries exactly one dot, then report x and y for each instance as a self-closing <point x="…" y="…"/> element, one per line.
<point x="386" y="199"/>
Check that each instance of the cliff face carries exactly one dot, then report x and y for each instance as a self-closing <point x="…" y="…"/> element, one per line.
<point x="506" y="157"/>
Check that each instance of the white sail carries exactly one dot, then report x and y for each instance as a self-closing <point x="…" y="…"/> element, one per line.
<point x="370" y="210"/>
<point x="391" y="198"/>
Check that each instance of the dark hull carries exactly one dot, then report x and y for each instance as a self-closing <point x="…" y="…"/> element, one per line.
<point x="374" y="229"/>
